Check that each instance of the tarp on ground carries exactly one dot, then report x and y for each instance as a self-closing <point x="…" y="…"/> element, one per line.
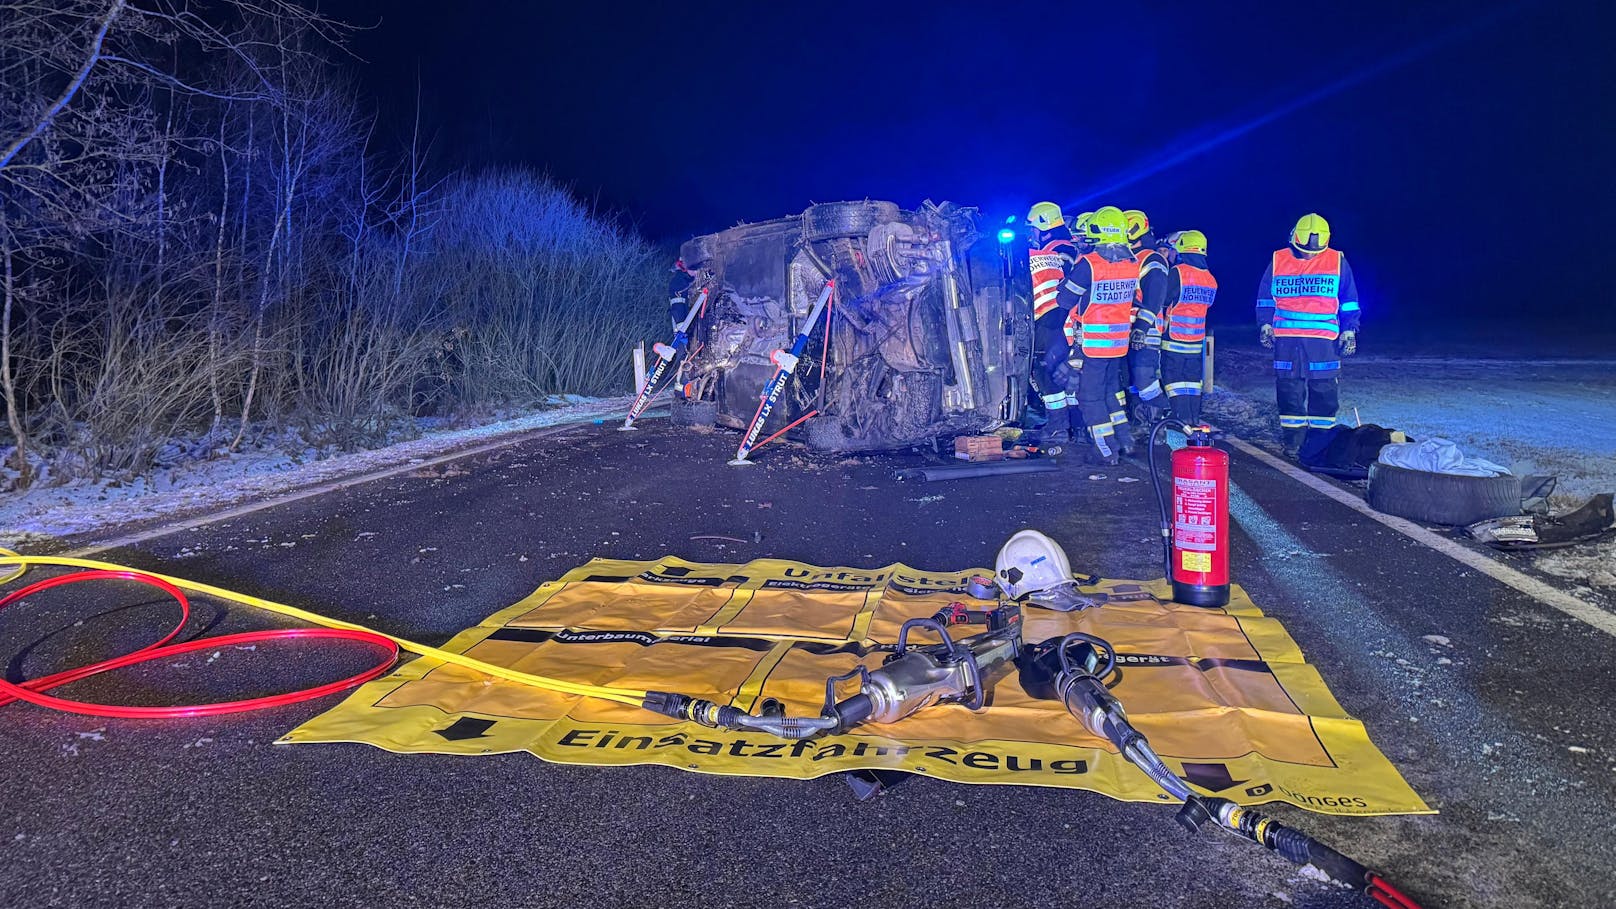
<point x="1224" y="694"/>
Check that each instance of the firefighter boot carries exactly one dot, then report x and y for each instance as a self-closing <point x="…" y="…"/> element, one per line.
<point x="1291" y="440"/>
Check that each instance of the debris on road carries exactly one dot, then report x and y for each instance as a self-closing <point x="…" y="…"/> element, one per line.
<point x="973" y="471"/>
<point x="979" y="448"/>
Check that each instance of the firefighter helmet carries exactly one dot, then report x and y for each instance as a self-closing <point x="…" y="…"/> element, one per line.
<point x="1033" y="566"/>
<point x="1108" y="225"/>
<point x="1138" y="224"/>
<point x="1080" y="227"/>
<point x="1311" y="234"/>
<point x="1190" y="241"/>
<point x="1046" y="216"/>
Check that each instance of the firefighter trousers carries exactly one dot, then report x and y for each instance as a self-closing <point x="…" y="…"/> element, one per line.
<point x="1102" y="404"/>
<point x="1181" y="379"/>
<point x="1305" y="386"/>
<point x="1049" y="378"/>
<point x="1143" y="364"/>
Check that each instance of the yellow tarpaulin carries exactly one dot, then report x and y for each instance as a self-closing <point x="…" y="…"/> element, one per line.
<point x="1224" y="695"/>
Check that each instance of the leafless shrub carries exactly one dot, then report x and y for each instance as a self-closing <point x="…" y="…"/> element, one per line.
<point x="122" y="385"/>
<point x="198" y="239"/>
<point x="548" y="294"/>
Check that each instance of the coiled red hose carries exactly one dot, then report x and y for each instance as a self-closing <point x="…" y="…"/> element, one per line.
<point x="33" y="689"/>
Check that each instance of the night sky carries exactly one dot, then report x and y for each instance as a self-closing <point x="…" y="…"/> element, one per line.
<point x="1465" y="153"/>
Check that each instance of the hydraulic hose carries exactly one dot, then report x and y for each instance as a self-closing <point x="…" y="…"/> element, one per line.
<point x="32" y="691"/>
<point x="721" y="716"/>
<point x="1292" y="845"/>
<point x="351" y="631"/>
<point x="1082" y="689"/>
<point x="1161" y="497"/>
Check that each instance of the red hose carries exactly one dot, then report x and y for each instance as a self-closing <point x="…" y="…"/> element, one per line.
<point x="1382" y="892"/>
<point x="32" y="690"/>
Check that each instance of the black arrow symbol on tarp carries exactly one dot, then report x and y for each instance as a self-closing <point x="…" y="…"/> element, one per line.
<point x="1211" y="777"/>
<point x="471" y="728"/>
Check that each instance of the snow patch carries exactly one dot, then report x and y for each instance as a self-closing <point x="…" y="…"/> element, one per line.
<point x="196" y="483"/>
<point x="1548" y="417"/>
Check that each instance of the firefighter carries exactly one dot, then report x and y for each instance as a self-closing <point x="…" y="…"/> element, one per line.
<point x="1190" y="291"/>
<point x="683" y="281"/>
<point x="1164" y="245"/>
<point x="1051" y="255"/>
<point x="1099" y="291"/>
<point x="1080" y="237"/>
<point x="1307" y="310"/>
<point x="1145" y="338"/>
<point x="1081" y="242"/>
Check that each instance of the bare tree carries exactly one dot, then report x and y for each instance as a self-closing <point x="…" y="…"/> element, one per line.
<point x="200" y="242"/>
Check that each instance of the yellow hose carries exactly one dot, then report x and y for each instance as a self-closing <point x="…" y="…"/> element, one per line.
<point x="620" y="695"/>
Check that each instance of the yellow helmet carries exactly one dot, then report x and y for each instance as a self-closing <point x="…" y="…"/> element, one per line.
<point x="1108" y="225"/>
<point x="1046" y="216"/>
<point x="1190" y="241"/>
<point x="1311" y="233"/>
<point x="1138" y="224"/>
<point x="1080" y="227"/>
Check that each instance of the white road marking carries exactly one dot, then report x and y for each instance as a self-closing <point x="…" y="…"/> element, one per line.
<point x="1532" y="587"/>
<point x="309" y="492"/>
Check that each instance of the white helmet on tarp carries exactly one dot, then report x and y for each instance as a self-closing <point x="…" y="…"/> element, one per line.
<point x="1032" y="565"/>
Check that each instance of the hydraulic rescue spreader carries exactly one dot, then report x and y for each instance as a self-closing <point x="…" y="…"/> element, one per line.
<point x="910" y="679"/>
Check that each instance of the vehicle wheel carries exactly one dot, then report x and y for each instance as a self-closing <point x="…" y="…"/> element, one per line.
<point x="824" y="434"/>
<point x="693" y="413"/>
<point x="846" y="219"/>
<point x="697" y="251"/>
<point x="1441" y="498"/>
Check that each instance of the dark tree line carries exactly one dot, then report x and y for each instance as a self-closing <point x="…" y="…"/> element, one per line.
<point x="202" y="241"/>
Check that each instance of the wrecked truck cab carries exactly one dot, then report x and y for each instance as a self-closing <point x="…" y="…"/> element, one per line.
<point x="919" y="341"/>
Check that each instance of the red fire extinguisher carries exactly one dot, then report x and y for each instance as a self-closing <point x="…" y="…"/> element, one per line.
<point x="1198" y="538"/>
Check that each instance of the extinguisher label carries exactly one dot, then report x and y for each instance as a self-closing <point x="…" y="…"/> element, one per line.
<point x="1195" y="508"/>
<point x="1196" y="561"/>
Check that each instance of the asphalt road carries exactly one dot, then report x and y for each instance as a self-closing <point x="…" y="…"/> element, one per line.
<point x="207" y="812"/>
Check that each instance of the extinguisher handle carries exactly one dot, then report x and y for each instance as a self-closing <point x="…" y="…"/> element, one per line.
<point x="1202" y="434"/>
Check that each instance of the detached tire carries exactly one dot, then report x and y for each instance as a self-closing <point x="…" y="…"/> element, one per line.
<point x="1441" y="498"/>
<point x="846" y="219"/>
<point x="693" y="413"/>
<point x="825" y="434"/>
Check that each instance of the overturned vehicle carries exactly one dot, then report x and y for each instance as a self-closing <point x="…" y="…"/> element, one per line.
<point x="920" y="340"/>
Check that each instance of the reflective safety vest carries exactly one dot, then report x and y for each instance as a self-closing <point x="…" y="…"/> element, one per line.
<point x="1186" y="316"/>
<point x="1101" y="323"/>
<point x="1152" y="319"/>
<point x="1307" y="295"/>
<point x="1048" y="271"/>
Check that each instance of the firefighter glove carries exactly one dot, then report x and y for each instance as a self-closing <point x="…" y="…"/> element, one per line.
<point x="1267" y="336"/>
<point x="1075" y="358"/>
<point x="680" y="340"/>
<point x="1349" y="343"/>
<point x="1136" y="340"/>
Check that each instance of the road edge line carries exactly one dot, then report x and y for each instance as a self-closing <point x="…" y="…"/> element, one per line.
<point x="1524" y="583"/>
<point x="309" y="492"/>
